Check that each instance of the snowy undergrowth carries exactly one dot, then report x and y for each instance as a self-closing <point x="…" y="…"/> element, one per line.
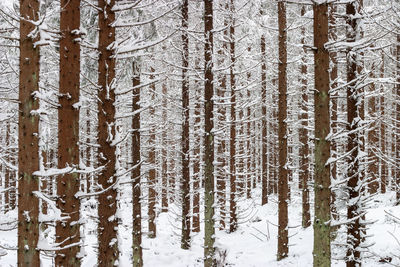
<point x="253" y="244"/>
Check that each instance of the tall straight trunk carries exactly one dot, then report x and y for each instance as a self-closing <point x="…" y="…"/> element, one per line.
<point x="264" y="125"/>
<point x="221" y="147"/>
<point x="382" y="135"/>
<point x="322" y="181"/>
<point x="7" y="173"/>
<point x="152" y="195"/>
<point x="397" y="138"/>
<point x="333" y="77"/>
<point x="185" y="183"/>
<point x="334" y="103"/>
<point x="12" y="182"/>
<point x="233" y="139"/>
<point x="196" y="169"/>
<point x="304" y="149"/>
<point x="164" y="154"/>
<point x="108" y="222"/>
<point x="28" y="141"/>
<point x="249" y="146"/>
<point x="197" y="158"/>
<point x="136" y="172"/>
<point x="373" y="141"/>
<point x="67" y="232"/>
<point x="209" y="231"/>
<point x="221" y="171"/>
<point x="283" y="239"/>
<point x="354" y="184"/>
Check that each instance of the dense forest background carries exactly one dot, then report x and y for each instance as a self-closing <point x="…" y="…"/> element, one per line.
<point x="199" y="133"/>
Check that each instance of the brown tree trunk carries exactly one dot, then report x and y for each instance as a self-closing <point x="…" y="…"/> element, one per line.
<point x="196" y="169"/>
<point x="67" y="232"/>
<point x="209" y="230"/>
<point x="232" y="145"/>
<point x="185" y="183"/>
<point x="283" y="190"/>
<point x="108" y="222"/>
<point x="373" y="141"/>
<point x="304" y="150"/>
<point x="383" y="163"/>
<point x="152" y="195"/>
<point x="7" y="173"/>
<point x="249" y="155"/>
<point x="264" y="125"/>
<point x="322" y="203"/>
<point x="136" y="172"/>
<point x="354" y="228"/>
<point x="164" y="155"/>
<point x="334" y="105"/>
<point x="28" y="141"/>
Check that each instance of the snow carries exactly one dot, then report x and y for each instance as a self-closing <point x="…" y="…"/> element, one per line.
<point x="254" y="244"/>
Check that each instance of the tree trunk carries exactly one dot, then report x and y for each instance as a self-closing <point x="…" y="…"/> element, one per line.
<point x="152" y="179"/>
<point x="28" y="141"/>
<point x="164" y="154"/>
<point x="233" y="140"/>
<point x="354" y="208"/>
<point x="334" y="106"/>
<point x="382" y="125"/>
<point x="67" y="232"/>
<point x="209" y="236"/>
<point x="304" y="150"/>
<point x="108" y="222"/>
<point x="264" y="125"/>
<point x="136" y="172"/>
<point x="185" y="183"/>
<point x="283" y="239"/>
<point x="322" y="248"/>
<point x="373" y="141"/>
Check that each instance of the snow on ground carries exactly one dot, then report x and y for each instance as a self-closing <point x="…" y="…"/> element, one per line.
<point x="253" y="244"/>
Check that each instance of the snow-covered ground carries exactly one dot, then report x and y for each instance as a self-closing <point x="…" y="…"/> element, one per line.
<point x="253" y="244"/>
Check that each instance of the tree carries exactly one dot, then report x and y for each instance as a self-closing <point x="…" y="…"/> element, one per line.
<point x="185" y="184"/>
<point x="303" y="132"/>
<point x="232" y="145"/>
<point x="28" y="141"/>
<point x="108" y="253"/>
<point x="67" y="231"/>
<point x="355" y="184"/>
<point x="136" y="172"/>
<point x="209" y="231"/>
<point x="283" y="239"/>
<point x="264" y="138"/>
<point x="322" y="180"/>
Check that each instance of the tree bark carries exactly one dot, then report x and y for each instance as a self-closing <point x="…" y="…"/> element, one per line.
<point x="322" y="248"/>
<point x="264" y="125"/>
<point x="108" y="222"/>
<point x="28" y="141"/>
<point x="233" y="140"/>
<point x="185" y="183"/>
<point x="304" y="150"/>
<point x="136" y="172"/>
<point x="152" y="179"/>
<point x="355" y="142"/>
<point x="383" y="163"/>
<point x="67" y="232"/>
<point x="209" y="231"/>
<point x="283" y="239"/>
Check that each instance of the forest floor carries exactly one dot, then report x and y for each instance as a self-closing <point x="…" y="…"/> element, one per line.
<point x="253" y="244"/>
